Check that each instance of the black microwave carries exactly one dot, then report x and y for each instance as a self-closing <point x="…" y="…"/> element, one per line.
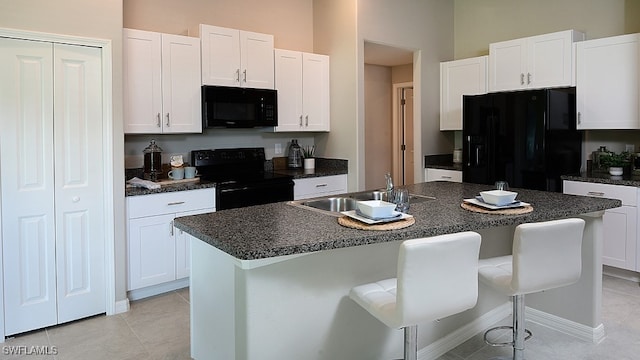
<point x="235" y="107"/>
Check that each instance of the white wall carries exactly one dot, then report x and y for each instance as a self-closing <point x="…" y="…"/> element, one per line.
<point x="426" y="27"/>
<point x="87" y="18"/>
<point x="478" y="23"/>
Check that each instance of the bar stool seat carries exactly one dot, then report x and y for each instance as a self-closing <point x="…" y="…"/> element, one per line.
<point x="545" y="256"/>
<point x="436" y="277"/>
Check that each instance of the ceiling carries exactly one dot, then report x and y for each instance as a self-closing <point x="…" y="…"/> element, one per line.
<point x="377" y="54"/>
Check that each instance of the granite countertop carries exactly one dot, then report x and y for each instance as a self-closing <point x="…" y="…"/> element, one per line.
<point x="135" y="191"/>
<point x="285" y="228"/>
<point x="604" y="178"/>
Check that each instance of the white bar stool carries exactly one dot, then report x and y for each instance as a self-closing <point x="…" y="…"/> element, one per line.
<point x="437" y="277"/>
<point x="545" y="255"/>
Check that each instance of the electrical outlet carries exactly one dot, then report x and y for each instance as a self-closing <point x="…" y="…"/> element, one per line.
<point x="278" y="149"/>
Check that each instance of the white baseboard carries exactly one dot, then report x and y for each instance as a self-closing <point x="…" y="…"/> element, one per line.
<point x="456" y="338"/>
<point x="453" y="340"/>
<point x="122" y="306"/>
<point x="580" y="331"/>
<point x="158" y="289"/>
<point x="621" y="273"/>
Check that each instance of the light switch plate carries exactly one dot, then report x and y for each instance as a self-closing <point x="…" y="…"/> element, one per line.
<point x="278" y="149"/>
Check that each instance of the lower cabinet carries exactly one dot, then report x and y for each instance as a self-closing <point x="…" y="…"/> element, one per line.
<point x="431" y="174"/>
<point x="158" y="253"/>
<point x="319" y="186"/>
<point x="619" y="224"/>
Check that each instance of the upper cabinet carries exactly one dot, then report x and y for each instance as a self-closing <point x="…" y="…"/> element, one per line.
<point x="161" y="83"/>
<point x="458" y="78"/>
<point x="608" y="83"/>
<point x="233" y="57"/>
<point x="534" y="62"/>
<point x="302" y="81"/>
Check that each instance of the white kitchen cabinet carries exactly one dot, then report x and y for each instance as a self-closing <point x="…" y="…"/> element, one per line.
<point x="158" y="252"/>
<point x="319" y="186"/>
<point x="608" y="83"/>
<point x="458" y="78"/>
<point x="432" y="174"/>
<point x="534" y="62"/>
<point x="52" y="208"/>
<point x="302" y="81"/>
<point x="161" y="83"/>
<point x="619" y="224"/>
<point x="232" y="57"/>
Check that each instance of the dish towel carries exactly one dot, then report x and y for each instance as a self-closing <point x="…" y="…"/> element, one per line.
<point x="137" y="182"/>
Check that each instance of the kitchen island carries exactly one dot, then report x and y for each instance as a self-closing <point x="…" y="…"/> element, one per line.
<point x="272" y="281"/>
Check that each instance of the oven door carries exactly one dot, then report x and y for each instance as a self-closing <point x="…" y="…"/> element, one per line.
<point x="257" y="193"/>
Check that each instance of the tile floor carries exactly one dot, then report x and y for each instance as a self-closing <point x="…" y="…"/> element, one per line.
<point x="158" y="328"/>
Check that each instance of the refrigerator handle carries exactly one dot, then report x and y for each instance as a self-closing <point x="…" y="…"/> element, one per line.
<point x="477" y="155"/>
<point x="468" y="150"/>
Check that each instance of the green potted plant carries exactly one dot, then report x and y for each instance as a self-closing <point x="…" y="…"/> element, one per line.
<point x="307" y="153"/>
<point x="615" y="162"/>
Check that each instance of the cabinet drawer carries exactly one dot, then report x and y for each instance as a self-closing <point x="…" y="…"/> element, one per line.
<point x="169" y="203"/>
<point x="628" y="194"/>
<point x="319" y="186"/>
<point x="443" y="175"/>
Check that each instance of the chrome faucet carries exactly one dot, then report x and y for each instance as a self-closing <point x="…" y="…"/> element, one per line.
<point x="389" y="187"/>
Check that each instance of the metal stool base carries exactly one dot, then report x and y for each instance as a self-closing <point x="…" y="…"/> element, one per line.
<point x="508" y="343"/>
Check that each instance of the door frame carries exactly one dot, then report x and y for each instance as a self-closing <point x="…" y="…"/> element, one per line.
<point x="397" y="129"/>
<point x="107" y="158"/>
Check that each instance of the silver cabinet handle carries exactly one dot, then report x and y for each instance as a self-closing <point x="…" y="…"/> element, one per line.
<point x="300" y="120"/>
<point x="159" y="121"/>
<point x="321" y="185"/>
<point x="528" y="78"/>
<point x="244" y="76"/>
<point x="521" y="79"/>
<point x="445" y="177"/>
<point x="306" y="120"/>
<point x="168" y="119"/>
<point x="237" y="75"/>
<point x="175" y="203"/>
<point x="171" y="227"/>
<point x="595" y="193"/>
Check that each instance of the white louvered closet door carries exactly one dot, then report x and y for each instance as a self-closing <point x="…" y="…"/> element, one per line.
<point x="51" y="184"/>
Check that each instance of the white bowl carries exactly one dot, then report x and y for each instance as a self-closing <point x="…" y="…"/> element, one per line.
<point x="376" y="208"/>
<point x="498" y="197"/>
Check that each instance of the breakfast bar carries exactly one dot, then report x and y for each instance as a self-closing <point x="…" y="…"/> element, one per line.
<point x="272" y="281"/>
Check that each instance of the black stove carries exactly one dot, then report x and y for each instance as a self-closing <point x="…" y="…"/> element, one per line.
<point x="240" y="177"/>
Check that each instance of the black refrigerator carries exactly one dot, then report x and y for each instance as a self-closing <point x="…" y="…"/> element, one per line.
<point x="527" y="138"/>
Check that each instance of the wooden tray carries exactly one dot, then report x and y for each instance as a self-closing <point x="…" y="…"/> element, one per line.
<point x="514" y="211"/>
<point x="355" y="224"/>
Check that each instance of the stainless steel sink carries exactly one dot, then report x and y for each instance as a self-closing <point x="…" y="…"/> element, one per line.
<point x="334" y="204"/>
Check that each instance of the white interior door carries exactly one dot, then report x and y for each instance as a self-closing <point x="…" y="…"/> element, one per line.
<point x="79" y="182"/>
<point x="26" y="152"/>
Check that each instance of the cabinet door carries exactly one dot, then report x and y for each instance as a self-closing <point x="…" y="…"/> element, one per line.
<point x="442" y="175"/>
<point x="507" y="65"/>
<point x="183" y="253"/>
<point x="608" y="83"/>
<point x="619" y="237"/>
<point x="319" y="186"/>
<point x="220" y="55"/>
<point x="458" y="78"/>
<point x="256" y="60"/>
<point x="181" y="94"/>
<point x="151" y="245"/>
<point x="315" y="92"/>
<point x="549" y="60"/>
<point x="142" y="86"/>
<point x="79" y="183"/>
<point x="27" y="167"/>
<point x="288" y="75"/>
